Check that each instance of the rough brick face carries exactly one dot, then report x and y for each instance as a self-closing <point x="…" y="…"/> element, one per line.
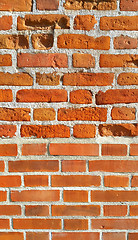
<point x="68" y="120"/>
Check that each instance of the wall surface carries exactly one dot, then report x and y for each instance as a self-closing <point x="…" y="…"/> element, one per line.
<point x="68" y="120"/>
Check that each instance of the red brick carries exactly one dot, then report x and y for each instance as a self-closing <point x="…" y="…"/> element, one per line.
<point x="84" y="60"/>
<point x="11" y="236"/>
<point x="75" y="210"/>
<point x="128" y="79"/>
<point x="75" y="224"/>
<point x="128" y="5"/>
<point x="114" y="236"/>
<point x="7" y="131"/>
<point x="114" y="196"/>
<point x="126" y="129"/>
<point x="81" y="96"/>
<point x="36" y="223"/>
<point x="5" y="22"/>
<point x="4" y="224"/>
<point x="37" y="210"/>
<point x="134" y="181"/>
<point x="84" y="114"/>
<point x="73" y="165"/>
<point x="16" y="79"/>
<point x="5" y="60"/>
<point x="118" y="60"/>
<point x="123" y="113"/>
<point x="113" y="166"/>
<point x="125" y="42"/>
<point x="133" y="149"/>
<point x="51" y="79"/>
<point x="115" y="223"/>
<point x="115" y="210"/>
<point x="59" y="60"/>
<point x="14" y="114"/>
<point x="114" y="150"/>
<point x="34" y="149"/>
<point x="134" y="210"/>
<point x="3" y="196"/>
<point x="75" y="196"/>
<point x="46" y="5"/>
<point x="6" y="95"/>
<point x="35" y="195"/>
<point x="8" y="150"/>
<point x="37" y="235"/>
<point x="10" y="181"/>
<point x="88" y="79"/>
<point x="2" y="166"/>
<point x="34" y="166"/>
<point x="10" y="210"/>
<point x="35" y="181"/>
<point x="74" y="149"/>
<point x="113" y="96"/>
<point x="41" y="95"/>
<point x="128" y="23"/>
<point x="23" y="5"/>
<point x="81" y="41"/>
<point x="75" y="235"/>
<point x="84" y="22"/>
<point x="84" y="131"/>
<point x="132" y="236"/>
<point x="116" y="181"/>
<point x="75" y="180"/>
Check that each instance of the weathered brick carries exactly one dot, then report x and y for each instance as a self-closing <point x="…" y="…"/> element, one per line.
<point x="14" y="114"/>
<point x="41" y="95"/>
<point x="84" y="22"/>
<point x="125" y="42"/>
<point x="43" y="22"/>
<point x="81" y="41"/>
<point x="84" y="131"/>
<point x="6" y="95"/>
<point x="128" y="5"/>
<point x="114" y="149"/>
<point x="128" y="23"/>
<point x="117" y="96"/>
<point x="51" y="79"/>
<point x="123" y="113"/>
<point x="23" y="5"/>
<point x="90" y="5"/>
<point x="47" y="5"/>
<point x="14" y="41"/>
<point x="81" y="96"/>
<point x="128" y="79"/>
<point x="125" y="129"/>
<point x="44" y="114"/>
<point x="59" y="60"/>
<point x="42" y="41"/>
<point x="88" y="79"/>
<point x="84" y="114"/>
<point x="16" y="79"/>
<point x="84" y="60"/>
<point x="118" y="60"/>
<point x="5" y="60"/>
<point x="5" y="22"/>
<point x="7" y="131"/>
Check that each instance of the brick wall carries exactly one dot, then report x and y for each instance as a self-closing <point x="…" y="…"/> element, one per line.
<point x="68" y="120"/>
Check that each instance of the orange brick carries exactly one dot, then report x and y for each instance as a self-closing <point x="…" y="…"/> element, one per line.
<point x="10" y="210"/>
<point x="75" y="210"/>
<point x="34" y="166"/>
<point x="6" y="95"/>
<point x="75" y="224"/>
<point x="123" y="113"/>
<point x="84" y="60"/>
<point x="116" y="181"/>
<point x="35" y="181"/>
<point x="51" y="79"/>
<point x="23" y="5"/>
<point x="2" y="166"/>
<point x="134" y="181"/>
<point x="4" y="224"/>
<point x="16" y="79"/>
<point x="35" y="195"/>
<point x="81" y="96"/>
<point x="84" y="22"/>
<point x="8" y="150"/>
<point x="115" y="210"/>
<point x="14" y="114"/>
<point x="73" y="165"/>
<point x="114" y="236"/>
<point x="34" y="149"/>
<point x="128" y="23"/>
<point x="42" y="41"/>
<point x="75" y="196"/>
<point x="115" y="223"/>
<point x="5" y="22"/>
<point x="10" y="181"/>
<point x="44" y="114"/>
<point x="37" y="210"/>
<point x="134" y="210"/>
<point x="75" y="235"/>
<point x="74" y="149"/>
<point x="59" y="60"/>
<point x="118" y="129"/>
<point x="41" y="95"/>
<point x="132" y="236"/>
<point x="114" y="150"/>
<point x="84" y="131"/>
<point x="3" y="196"/>
<point x="36" y="223"/>
<point x="5" y="60"/>
<point x="128" y="79"/>
<point x="7" y="130"/>
<point x="14" y="41"/>
<point x="46" y="5"/>
<point x="128" y="5"/>
<point x="88" y="79"/>
<point x="125" y="42"/>
<point x="81" y="41"/>
<point x="90" y="5"/>
<point x="133" y="149"/>
<point x="11" y="236"/>
<point x="75" y="180"/>
<point x="37" y="235"/>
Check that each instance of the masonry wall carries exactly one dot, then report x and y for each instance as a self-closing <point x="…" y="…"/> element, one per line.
<point x="68" y="120"/>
